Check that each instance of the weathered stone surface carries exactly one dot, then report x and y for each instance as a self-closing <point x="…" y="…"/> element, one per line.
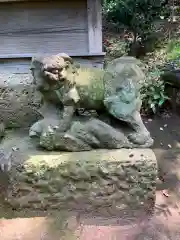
<point x="19" y="106"/>
<point x="85" y="134"/>
<point x="104" y="181"/>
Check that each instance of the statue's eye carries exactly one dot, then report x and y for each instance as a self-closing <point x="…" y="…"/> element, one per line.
<point x="118" y="89"/>
<point x="55" y="71"/>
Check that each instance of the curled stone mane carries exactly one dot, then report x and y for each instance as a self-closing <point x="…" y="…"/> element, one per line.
<point x="54" y="62"/>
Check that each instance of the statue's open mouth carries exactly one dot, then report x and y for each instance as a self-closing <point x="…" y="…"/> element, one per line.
<point x="62" y="79"/>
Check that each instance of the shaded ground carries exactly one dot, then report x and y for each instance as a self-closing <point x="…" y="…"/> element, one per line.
<point x="164" y="225"/>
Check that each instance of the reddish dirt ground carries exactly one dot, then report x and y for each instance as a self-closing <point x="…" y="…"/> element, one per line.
<point x="163" y="225"/>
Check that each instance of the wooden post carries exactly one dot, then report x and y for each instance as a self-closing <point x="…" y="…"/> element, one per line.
<point x="94" y="11"/>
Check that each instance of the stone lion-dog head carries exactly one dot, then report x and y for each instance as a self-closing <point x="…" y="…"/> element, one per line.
<point x="50" y="70"/>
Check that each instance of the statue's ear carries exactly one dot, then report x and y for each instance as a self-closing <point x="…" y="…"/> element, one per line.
<point x="65" y="57"/>
<point x="44" y="68"/>
<point x="68" y="64"/>
<point x="36" y="62"/>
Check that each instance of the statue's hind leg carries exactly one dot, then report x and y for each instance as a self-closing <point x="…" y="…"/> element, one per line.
<point x="125" y="113"/>
<point x="140" y="134"/>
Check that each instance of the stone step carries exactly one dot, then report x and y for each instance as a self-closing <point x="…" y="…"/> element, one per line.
<point x="106" y="182"/>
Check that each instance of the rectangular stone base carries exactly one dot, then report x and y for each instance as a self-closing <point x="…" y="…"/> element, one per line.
<point x="103" y="181"/>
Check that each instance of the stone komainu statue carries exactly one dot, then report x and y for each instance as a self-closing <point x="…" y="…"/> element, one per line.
<point x="67" y="87"/>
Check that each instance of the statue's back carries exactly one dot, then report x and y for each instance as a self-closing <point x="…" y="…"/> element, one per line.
<point x="90" y="85"/>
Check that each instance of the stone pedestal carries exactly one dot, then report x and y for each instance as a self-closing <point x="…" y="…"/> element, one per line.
<point x="103" y="182"/>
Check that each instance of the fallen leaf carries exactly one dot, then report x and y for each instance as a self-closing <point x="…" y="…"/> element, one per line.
<point x="165" y="193"/>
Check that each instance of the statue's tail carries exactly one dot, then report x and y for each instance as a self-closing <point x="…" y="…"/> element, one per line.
<point x="123" y="74"/>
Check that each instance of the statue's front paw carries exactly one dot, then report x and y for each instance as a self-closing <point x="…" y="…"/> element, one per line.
<point x="33" y="133"/>
<point x="47" y="140"/>
<point x="141" y="138"/>
<point x="36" y="129"/>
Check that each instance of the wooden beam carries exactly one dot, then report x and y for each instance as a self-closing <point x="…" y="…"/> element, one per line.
<point x="94" y="11"/>
<point x="6" y="1"/>
<point x="9" y="1"/>
<point x="30" y="55"/>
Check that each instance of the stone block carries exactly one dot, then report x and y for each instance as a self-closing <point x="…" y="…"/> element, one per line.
<point x="104" y="181"/>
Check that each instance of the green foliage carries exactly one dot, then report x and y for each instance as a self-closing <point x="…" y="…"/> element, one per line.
<point x="152" y="92"/>
<point x="167" y="56"/>
<point x="137" y="15"/>
<point x="116" y="48"/>
<point x="173" y="51"/>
